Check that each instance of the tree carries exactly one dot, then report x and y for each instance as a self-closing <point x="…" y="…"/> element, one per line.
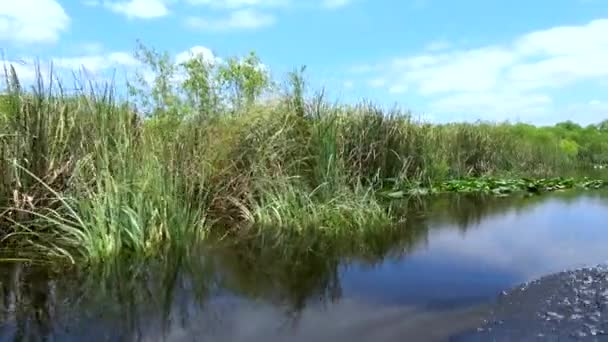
<point x="198" y="85"/>
<point x="569" y="147"/>
<point x="155" y="88"/>
<point x="245" y="79"/>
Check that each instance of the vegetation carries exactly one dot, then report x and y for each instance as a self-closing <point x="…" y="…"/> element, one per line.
<point x="497" y="186"/>
<point x="205" y="146"/>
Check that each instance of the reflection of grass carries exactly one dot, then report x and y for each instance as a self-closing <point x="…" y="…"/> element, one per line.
<point x="293" y="270"/>
<point x="469" y="209"/>
<point x="119" y="297"/>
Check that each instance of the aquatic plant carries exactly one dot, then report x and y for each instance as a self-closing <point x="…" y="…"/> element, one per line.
<point x="496" y="186"/>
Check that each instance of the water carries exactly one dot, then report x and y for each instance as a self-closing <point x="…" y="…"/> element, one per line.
<point x="435" y="276"/>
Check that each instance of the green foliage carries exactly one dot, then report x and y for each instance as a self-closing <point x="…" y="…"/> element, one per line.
<point x="198" y="85"/>
<point x="569" y="147"/>
<point x="158" y="95"/>
<point x="296" y="91"/>
<point x="243" y="80"/>
<point x="495" y="186"/>
<point x="288" y="208"/>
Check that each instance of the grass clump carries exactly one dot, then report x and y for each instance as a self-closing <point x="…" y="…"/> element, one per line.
<point x="289" y="208"/>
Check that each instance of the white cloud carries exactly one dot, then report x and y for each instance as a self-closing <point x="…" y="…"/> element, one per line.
<point x="91" y="47"/>
<point x="197" y="51"/>
<point x="32" y="21"/>
<point x="142" y="9"/>
<point x="225" y="15"/>
<point x="239" y="19"/>
<point x="351" y="317"/>
<point x="331" y="4"/>
<point x="148" y="9"/>
<point x="24" y="68"/>
<point x="566" y="40"/>
<point x="377" y="82"/>
<point x="516" y="77"/>
<point x="473" y="70"/>
<point x="510" y="241"/>
<point x="397" y="89"/>
<point x="96" y="64"/>
<point x="237" y="4"/>
<point x="501" y="105"/>
<point x="438" y="45"/>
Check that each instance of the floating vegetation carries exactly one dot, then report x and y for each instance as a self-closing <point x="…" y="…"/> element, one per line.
<point x="496" y="186"/>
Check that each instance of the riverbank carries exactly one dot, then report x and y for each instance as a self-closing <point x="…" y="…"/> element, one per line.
<point x="567" y="306"/>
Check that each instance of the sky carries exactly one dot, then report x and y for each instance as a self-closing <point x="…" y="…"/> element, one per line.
<point x="540" y="61"/>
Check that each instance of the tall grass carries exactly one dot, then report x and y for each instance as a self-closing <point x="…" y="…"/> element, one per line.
<point x="87" y="180"/>
<point x="82" y="176"/>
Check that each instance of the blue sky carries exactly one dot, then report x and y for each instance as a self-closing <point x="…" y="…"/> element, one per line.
<point x="536" y="61"/>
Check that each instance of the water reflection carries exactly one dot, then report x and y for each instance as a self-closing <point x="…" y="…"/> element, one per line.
<point x="452" y="253"/>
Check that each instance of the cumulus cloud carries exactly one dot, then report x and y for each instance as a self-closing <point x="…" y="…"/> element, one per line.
<point x="248" y="14"/>
<point x="96" y="64"/>
<point x="239" y="19"/>
<point x="377" y="82"/>
<point x="335" y="3"/>
<point x="32" y="21"/>
<point x="517" y="77"/>
<point x="197" y="51"/>
<point x="226" y="14"/>
<point x="438" y="45"/>
<point x="236" y="4"/>
<point x="142" y="9"/>
<point x="24" y="68"/>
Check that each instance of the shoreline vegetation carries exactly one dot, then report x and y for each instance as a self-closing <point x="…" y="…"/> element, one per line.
<point x="203" y="147"/>
<point x="496" y="186"/>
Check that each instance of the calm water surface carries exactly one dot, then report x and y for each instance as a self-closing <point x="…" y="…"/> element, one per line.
<point x="433" y="277"/>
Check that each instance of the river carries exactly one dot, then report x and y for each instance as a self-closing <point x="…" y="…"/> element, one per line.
<point x="435" y="277"/>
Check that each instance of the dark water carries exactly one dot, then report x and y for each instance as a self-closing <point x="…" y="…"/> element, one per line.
<point x="431" y="278"/>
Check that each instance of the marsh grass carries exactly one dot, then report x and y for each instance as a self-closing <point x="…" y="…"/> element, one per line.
<point x="293" y="209"/>
<point x="85" y="177"/>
